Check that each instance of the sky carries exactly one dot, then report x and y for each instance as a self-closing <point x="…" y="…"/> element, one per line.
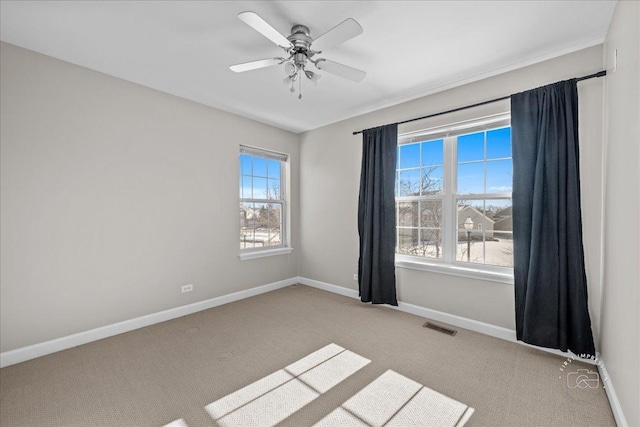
<point x="476" y="153"/>
<point x="262" y="173"/>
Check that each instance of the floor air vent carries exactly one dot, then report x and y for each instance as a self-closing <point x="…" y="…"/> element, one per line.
<point x="439" y="329"/>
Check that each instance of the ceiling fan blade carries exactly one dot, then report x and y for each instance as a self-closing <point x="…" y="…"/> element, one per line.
<point x="254" y="65"/>
<point x="341" y="70"/>
<point x="261" y="26"/>
<point x="347" y="29"/>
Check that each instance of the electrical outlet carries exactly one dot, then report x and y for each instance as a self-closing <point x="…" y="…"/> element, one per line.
<point x="186" y="288"/>
<point x="355" y="276"/>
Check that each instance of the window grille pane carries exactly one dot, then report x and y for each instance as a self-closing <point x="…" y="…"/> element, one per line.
<point x="409" y="182"/>
<point x="423" y="242"/>
<point x="471" y="147"/>
<point x="431" y="229"/>
<point x="499" y="176"/>
<point x="501" y="253"/>
<point x="273" y="189"/>
<point x="420" y="229"/>
<point x="273" y="225"/>
<point x="407" y="241"/>
<point x="408" y="214"/>
<point x="245" y="190"/>
<point x="499" y="143"/>
<point x="431" y="213"/>
<point x="409" y="156"/>
<point x="471" y="239"/>
<point x="471" y="178"/>
<point x="432" y="153"/>
<point x="245" y="164"/>
<point x="432" y="181"/>
<point x="247" y="225"/>
<point x="430" y="243"/>
<point x="259" y="188"/>
<point x="273" y="169"/>
<point x="259" y="167"/>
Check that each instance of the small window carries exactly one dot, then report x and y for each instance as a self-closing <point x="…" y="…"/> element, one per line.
<point x="262" y="199"/>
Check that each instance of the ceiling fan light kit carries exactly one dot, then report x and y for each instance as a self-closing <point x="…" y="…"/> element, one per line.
<point x="300" y="48"/>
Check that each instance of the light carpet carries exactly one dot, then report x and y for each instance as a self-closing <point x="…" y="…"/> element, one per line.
<point x="192" y="370"/>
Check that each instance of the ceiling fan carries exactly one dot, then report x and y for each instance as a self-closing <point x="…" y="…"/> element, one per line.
<point x="300" y="49"/>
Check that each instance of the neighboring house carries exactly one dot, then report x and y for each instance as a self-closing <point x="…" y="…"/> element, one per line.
<point x="480" y="223"/>
<point x="248" y="216"/>
<point x="503" y="221"/>
<point x="248" y="219"/>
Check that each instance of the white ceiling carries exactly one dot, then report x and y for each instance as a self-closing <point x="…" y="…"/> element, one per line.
<point x="408" y="48"/>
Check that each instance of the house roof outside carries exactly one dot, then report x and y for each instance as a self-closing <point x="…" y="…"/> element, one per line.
<point x="504" y="213"/>
<point x="463" y="208"/>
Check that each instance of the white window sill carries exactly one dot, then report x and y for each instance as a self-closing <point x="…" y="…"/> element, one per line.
<point x="454" y="270"/>
<point x="264" y="253"/>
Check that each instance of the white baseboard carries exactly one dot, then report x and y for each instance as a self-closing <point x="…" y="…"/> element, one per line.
<point x="616" y="408"/>
<point x="23" y="354"/>
<point x="451" y="319"/>
<point x="329" y="287"/>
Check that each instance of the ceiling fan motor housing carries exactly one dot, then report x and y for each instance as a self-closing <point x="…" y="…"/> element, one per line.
<point x="300" y="39"/>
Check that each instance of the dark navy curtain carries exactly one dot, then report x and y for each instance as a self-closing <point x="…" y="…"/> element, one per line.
<point x="550" y="280"/>
<point x="377" y="216"/>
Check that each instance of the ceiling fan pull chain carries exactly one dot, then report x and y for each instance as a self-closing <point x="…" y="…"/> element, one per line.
<point x="300" y="86"/>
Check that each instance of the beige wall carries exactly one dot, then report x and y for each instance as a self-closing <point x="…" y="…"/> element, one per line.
<point x="330" y="173"/>
<point x="621" y="301"/>
<point x="114" y="195"/>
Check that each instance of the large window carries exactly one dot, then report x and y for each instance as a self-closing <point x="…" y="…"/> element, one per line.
<point x="453" y="196"/>
<point x="262" y="199"/>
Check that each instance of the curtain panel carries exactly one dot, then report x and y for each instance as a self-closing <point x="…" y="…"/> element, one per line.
<point x="377" y="216"/>
<point x="550" y="279"/>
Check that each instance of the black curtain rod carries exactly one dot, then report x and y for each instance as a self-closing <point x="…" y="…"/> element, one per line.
<point x="578" y="79"/>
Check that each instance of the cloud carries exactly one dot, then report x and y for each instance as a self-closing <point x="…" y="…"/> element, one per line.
<point x="501" y="189"/>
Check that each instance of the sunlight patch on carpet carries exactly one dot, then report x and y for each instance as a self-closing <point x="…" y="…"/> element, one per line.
<point x="391" y="400"/>
<point x="177" y="423"/>
<point x="395" y="400"/>
<point x="270" y="400"/>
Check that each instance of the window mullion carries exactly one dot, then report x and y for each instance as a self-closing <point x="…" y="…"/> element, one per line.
<point x="284" y="207"/>
<point x="397" y="229"/>
<point x="448" y="205"/>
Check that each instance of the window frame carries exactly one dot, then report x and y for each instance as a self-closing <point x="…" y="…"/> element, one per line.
<point x="282" y="201"/>
<point x="448" y="263"/>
